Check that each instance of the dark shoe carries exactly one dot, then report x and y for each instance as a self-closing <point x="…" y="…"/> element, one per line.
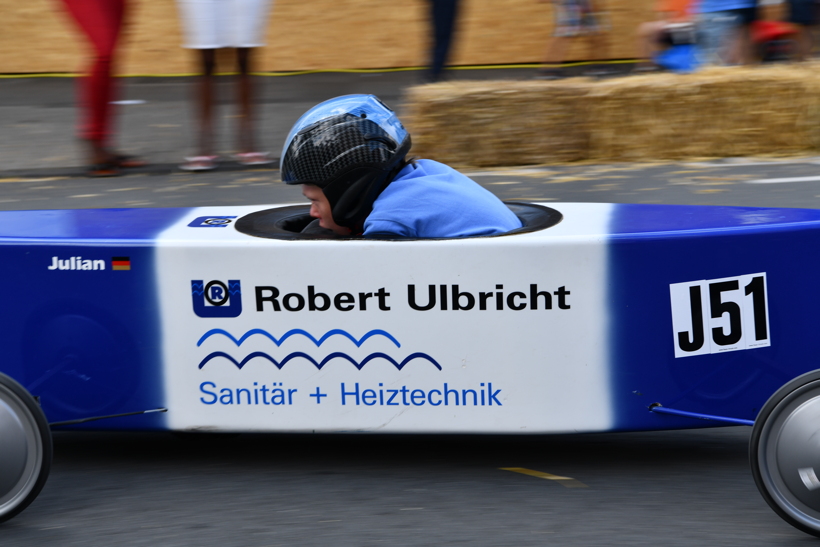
<point x="251" y="159"/>
<point x="549" y="74"/>
<point x="104" y="169"/>
<point x="600" y="71"/>
<point x="199" y="163"/>
<point x="127" y="162"/>
<point x="645" y="68"/>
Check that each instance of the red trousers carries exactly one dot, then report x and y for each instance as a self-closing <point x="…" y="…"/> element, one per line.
<point x="101" y="22"/>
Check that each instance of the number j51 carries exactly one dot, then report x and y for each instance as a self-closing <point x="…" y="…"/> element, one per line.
<point x="718" y="315"/>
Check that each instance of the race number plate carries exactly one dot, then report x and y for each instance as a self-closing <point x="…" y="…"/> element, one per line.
<point x="719" y="315"/>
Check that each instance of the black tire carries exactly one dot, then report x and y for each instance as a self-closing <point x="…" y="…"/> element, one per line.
<point x="784" y="452"/>
<point x="25" y="458"/>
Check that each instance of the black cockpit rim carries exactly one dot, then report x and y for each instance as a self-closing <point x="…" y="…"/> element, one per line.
<point x="287" y="223"/>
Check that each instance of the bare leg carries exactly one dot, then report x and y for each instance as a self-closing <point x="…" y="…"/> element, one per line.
<point x="554" y="55"/>
<point x="206" y="103"/>
<point x="97" y="152"/>
<point x="648" y="37"/>
<point x="599" y="46"/>
<point x="556" y="50"/>
<point x="808" y="42"/>
<point x="740" y="51"/>
<point x="747" y="51"/>
<point x="246" y="140"/>
<point x="804" y="43"/>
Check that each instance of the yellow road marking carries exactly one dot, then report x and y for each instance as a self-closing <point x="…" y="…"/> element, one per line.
<point x="559" y="180"/>
<point x="41" y="179"/>
<point x="569" y="482"/>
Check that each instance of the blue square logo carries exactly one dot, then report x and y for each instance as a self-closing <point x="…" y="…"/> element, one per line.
<point x="211" y="222"/>
<point x="217" y="299"/>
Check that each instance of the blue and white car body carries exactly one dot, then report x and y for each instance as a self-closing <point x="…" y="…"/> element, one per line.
<point x="577" y="327"/>
<point x="596" y="323"/>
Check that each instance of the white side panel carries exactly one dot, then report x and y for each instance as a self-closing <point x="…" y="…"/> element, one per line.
<point x="532" y="370"/>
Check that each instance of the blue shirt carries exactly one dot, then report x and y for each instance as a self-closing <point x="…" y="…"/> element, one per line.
<point x="710" y="6"/>
<point x="430" y="199"/>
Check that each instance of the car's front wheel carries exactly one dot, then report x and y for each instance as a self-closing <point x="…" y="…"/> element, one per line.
<point x="25" y="448"/>
<point x="785" y="452"/>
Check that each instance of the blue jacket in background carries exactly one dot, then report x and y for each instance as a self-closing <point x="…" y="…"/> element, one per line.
<point x="709" y="6"/>
<point x="430" y="199"/>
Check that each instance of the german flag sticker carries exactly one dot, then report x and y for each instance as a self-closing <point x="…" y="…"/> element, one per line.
<point x="121" y="263"/>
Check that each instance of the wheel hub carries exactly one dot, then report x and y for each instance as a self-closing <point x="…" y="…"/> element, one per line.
<point x="798" y="453"/>
<point x="21" y="453"/>
<point x="13" y="449"/>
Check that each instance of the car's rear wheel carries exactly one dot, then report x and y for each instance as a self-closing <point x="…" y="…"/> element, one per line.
<point x="25" y="448"/>
<point x="785" y="452"/>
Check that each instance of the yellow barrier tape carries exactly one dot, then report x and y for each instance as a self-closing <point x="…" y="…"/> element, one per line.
<point x="328" y="71"/>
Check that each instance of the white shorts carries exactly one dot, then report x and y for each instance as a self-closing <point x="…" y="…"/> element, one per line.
<point x="214" y="24"/>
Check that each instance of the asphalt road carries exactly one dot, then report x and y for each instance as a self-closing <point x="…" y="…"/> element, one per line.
<point x="659" y="488"/>
<point x="753" y="182"/>
<point x="670" y="488"/>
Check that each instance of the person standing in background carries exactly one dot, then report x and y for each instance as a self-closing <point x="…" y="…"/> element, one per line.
<point x="573" y="18"/>
<point x="723" y="30"/>
<point x="215" y="24"/>
<point x="443" y="14"/>
<point x="673" y="26"/>
<point x="101" y="22"/>
<point x="804" y="14"/>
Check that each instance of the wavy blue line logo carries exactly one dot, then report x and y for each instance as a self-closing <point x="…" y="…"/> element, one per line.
<point x="358" y="342"/>
<point x="293" y="332"/>
<point x="216" y="299"/>
<point x="323" y="362"/>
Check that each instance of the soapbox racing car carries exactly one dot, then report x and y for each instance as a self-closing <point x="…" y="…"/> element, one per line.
<point x="591" y="317"/>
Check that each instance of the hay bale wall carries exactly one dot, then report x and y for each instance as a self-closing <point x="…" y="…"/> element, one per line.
<point x="714" y="113"/>
<point x="718" y="112"/>
<point x="498" y="122"/>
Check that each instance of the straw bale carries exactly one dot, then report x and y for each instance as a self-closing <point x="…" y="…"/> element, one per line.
<point x="716" y="112"/>
<point x="498" y="122"/>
